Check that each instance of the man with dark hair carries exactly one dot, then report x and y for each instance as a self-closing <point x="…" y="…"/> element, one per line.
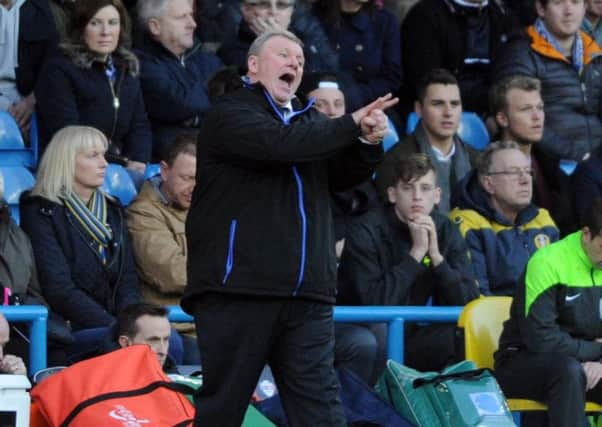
<point x="550" y="348"/>
<point x="156" y="221"/>
<point x="261" y="263"/>
<point x="409" y="254"/>
<point x="501" y="225"/>
<point x="146" y="324"/>
<point x="439" y="107"/>
<point x="174" y="70"/>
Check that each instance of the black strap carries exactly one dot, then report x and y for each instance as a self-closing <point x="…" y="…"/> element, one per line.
<point x="464" y="375"/>
<point x="177" y="387"/>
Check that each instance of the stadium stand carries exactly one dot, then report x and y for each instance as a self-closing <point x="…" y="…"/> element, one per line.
<point x="119" y="184"/>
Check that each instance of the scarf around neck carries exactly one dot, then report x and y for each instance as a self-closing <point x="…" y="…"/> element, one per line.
<point x="93" y="219"/>
<point x="576" y="54"/>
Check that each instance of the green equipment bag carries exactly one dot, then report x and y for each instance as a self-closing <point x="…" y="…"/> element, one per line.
<point x="458" y="396"/>
<point x="253" y="418"/>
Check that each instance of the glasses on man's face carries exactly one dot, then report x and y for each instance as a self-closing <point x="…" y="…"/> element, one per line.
<point x="265" y="4"/>
<point x="514" y="173"/>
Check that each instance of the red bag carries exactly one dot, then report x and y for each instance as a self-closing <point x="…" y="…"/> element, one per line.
<point x="124" y="388"/>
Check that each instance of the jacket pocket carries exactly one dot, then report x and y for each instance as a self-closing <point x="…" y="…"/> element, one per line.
<point x="230" y="257"/>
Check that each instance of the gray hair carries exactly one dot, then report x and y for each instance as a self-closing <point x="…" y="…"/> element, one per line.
<point x="262" y="39"/>
<point x="486" y="158"/>
<point x="148" y="9"/>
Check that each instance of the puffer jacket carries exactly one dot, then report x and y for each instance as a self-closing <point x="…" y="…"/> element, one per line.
<point x="571" y="101"/>
<point x="499" y="249"/>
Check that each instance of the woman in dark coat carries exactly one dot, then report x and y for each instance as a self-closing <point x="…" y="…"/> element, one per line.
<point x="79" y="237"/>
<point x="94" y="82"/>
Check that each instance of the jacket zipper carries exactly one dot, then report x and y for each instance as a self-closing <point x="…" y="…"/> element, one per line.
<point x="230" y="258"/>
<point x="299" y="184"/>
<point x="587" y="125"/>
<point x="303" y="229"/>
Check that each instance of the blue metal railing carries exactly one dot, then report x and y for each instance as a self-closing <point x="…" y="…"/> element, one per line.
<point x="396" y="317"/>
<point x="37" y="317"/>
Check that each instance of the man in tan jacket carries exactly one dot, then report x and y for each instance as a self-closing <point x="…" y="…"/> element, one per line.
<point x="156" y="221"/>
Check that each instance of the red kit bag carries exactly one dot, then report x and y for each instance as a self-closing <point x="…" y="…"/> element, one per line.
<point x="124" y="388"/>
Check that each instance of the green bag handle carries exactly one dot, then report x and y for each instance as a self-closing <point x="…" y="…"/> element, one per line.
<point x="464" y="375"/>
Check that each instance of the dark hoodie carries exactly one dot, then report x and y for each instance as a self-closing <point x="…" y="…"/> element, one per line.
<point x="499" y="249"/>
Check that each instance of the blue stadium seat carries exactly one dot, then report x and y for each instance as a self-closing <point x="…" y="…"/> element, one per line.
<point x="152" y="169"/>
<point x="472" y="129"/>
<point x="13" y="151"/>
<point x="119" y="184"/>
<point x="412" y="122"/>
<point x="17" y="179"/>
<point x="392" y="137"/>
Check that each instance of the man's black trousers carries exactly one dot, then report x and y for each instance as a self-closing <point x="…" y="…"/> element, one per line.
<point x="238" y="335"/>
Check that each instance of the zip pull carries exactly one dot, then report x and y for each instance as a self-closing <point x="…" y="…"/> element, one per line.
<point x="116" y="103"/>
<point x="584" y="92"/>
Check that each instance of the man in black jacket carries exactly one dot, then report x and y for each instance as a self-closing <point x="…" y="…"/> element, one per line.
<point x="408" y="254"/>
<point x="261" y="262"/>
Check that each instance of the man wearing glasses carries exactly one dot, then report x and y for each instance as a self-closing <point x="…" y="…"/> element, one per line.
<point x="261" y="16"/>
<point x="409" y="254"/>
<point x="501" y="225"/>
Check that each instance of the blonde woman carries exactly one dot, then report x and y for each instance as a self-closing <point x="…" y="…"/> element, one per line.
<point x="79" y="237"/>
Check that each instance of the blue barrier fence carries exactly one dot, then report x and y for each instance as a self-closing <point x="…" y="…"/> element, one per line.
<point x="396" y="317"/>
<point x="37" y="317"/>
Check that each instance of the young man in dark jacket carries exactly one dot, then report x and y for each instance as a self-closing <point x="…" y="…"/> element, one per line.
<point x="550" y="348"/>
<point x="261" y="261"/>
<point x="408" y="254"/>
<point x="439" y="107"/>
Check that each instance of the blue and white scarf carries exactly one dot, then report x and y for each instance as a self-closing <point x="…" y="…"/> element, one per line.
<point x="577" y="54"/>
<point x="93" y="218"/>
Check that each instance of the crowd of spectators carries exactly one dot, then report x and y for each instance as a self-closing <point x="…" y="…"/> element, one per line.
<point x="440" y="223"/>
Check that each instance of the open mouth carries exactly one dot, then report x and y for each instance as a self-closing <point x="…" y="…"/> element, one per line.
<point x="288" y="78"/>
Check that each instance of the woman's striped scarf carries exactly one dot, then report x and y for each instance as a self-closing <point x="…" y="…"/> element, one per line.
<point x="93" y="218"/>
